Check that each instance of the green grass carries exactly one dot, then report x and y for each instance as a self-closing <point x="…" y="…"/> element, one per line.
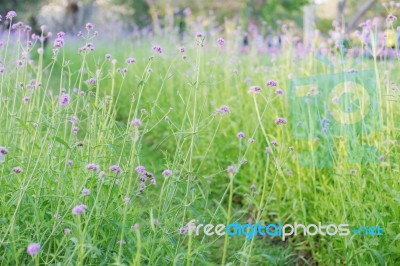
<point x="181" y="131"/>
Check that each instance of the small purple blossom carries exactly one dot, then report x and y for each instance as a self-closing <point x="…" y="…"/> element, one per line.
<point x="85" y="192"/>
<point x="127" y="200"/>
<point x="136" y="122"/>
<point x="279" y="91"/>
<point x="268" y="150"/>
<point x="108" y="56"/>
<point x="74" y="119"/>
<point x="280" y="121"/>
<point x="25" y="99"/>
<point x="67" y="231"/>
<point x="140" y="169"/>
<point x="274" y="142"/>
<point x="182" y="49"/>
<point x="254" y="90"/>
<point x="33" y="249"/>
<point x="130" y="60"/>
<point x="64" y="99"/>
<point x="167" y="172"/>
<point x="89" y="26"/>
<point x="251" y="140"/>
<point x="240" y="135"/>
<point x="115" y="168"/>
<point x="70" y="163"/>
<point x="224" y="109"/>
<point x="17" y="170"/>
<point x="231" y="169"/>
<point x="272" y="83"/>
<point x="91" y="81"/>
<point x="221" y="42"/>
<point x="157" y="49"/>
<point x="11" y="14"/>
<point x="59" y="42"/>
<point x="92" y="167"/>
<point x="3" y="150"/>
<point x="78" y="209"/>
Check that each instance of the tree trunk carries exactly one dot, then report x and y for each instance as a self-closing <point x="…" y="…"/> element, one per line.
<point x="361" y="12"/>
<point x="309" y="24"/>
<point x="340" y="12"/>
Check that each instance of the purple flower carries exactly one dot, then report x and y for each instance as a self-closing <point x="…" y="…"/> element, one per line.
<point x="253" y="187"/>
<point x="33" y="249"/>
<point x="140" y="169"/>
<point x="64" y="99"/>
<point x="25" y="99"/>
<point x="78" y="209"/>
<point x="268" y="150"/>
<point x="280" y="120"/>
<point x="274" y="142"/>
<point x="115" y="168"/>
<point x="2" y="70"/>
<point x="130" y="60"/>
<point x="127" y="200"/>
<point x="92" y="167"/>
<point x="59" y="42"/>
<point x="11" y="14"/>
<point x="199" y="34"/>
<point x="182" y="49"/>
<point x="108" y="56"/>
<point x="157" y="49"/>
<point x="231" y="169"/>
<point x="240" y="135"/>
<point x="74" y="119"/>
<point x="254" y="90"/>
<point x="89" y="26"/>
<point x="167" y="172"/>
<point x="279" y="91"/>
<point x="224" y="109"/>
<point x="221" y="42"/>
<point x="70" y="163"/>
<point x="17" y="170"/>
<point x="85" y="192"/>
<point x="136" y="122"/>
<point x="3" y="150"/>
<point x="272" y="83"/>
<point x="251" y="140"/>
<point x="75" y="130"/>
<point x="91" y="81"/>
<point x="67" y="231"/>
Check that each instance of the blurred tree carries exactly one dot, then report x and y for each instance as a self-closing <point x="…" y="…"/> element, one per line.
<point x="274" y="11"/>
<point x="139" y="11"/>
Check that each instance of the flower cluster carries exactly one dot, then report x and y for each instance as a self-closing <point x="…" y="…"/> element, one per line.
<point x="144" y="176"/>
<point x="79" y="209"/>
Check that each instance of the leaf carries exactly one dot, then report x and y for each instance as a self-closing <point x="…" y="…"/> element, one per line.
<point x="61" y="141"/>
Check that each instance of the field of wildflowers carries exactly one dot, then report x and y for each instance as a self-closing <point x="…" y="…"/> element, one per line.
<point x="110" y="145"/>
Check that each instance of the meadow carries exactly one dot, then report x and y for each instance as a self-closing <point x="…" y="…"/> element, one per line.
<point x="110" y="145"/>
